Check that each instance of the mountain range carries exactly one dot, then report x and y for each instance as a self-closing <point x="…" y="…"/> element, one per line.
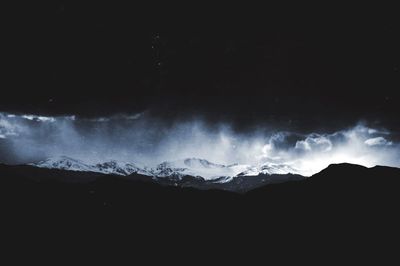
<point x="177" y="168"/>
<point x="344" y="207"/>
<point x="189" y="172"/>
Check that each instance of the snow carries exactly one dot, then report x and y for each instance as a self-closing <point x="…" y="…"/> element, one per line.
<point x="169" y="169"/>
<point x="110" y="167"/>
<point x="65" y="163"/>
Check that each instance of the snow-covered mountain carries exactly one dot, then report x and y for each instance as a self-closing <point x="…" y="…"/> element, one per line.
<point x="193" y="167"/>
<point x="169" y="169"/>
<point x="65" y="163"/>
<point x="121" y="168"/>
<point x="269" y="169"/>
<point x="110" y="167"/>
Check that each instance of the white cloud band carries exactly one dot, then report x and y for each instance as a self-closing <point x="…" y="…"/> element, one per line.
<point x="144" y="139"/>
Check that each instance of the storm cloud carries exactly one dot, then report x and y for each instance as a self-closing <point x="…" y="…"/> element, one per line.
<point x="144" y="139"/>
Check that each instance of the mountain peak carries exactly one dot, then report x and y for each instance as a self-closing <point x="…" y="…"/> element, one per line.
<point x="197" y="162"/>
<point x="64" y="163"/>
<point x="196" y="167"/>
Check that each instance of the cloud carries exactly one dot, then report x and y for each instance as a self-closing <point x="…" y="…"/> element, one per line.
<point x="378" y="141"/>
<point x="134" y="116"/>
<point x="144" y="139"/>
<point x="314" y="142"/>
<point x="119" y="117"/>
<point x="6" y="128"/>
<point x="100" y="119"/>
<point x="39" y="118"/>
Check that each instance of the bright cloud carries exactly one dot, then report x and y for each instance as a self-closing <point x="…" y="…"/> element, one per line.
<point x="377" y="141"/>
<point x="143" y="139"/>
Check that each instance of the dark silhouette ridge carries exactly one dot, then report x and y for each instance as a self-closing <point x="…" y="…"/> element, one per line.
<point x="342" y="189"/>
<point x="344" y="207"/>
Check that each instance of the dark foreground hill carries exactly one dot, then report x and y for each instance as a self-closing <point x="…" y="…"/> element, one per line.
<point x="353" y="206"/>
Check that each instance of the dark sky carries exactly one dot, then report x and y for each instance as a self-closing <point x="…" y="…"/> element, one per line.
<point x="239" y="65"/>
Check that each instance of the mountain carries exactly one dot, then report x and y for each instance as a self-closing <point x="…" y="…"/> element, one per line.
<point x="195" y="167"/>
<point x="172" y="170"/>
<point x="269" y="169"/>
<point x="65" y="163"/>
<point x="190" y="172"/>
<point x="344" y="207"/>
<point x="109" y="167"/>
<point x="342" y="187"/>
<point x="120" y="168"/>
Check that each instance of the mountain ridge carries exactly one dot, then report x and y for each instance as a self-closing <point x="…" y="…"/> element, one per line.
<point x="176" y="169"/>
<point x="240" y="184"/>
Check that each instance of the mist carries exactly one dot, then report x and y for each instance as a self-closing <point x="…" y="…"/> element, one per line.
<point x="148" y="140"/>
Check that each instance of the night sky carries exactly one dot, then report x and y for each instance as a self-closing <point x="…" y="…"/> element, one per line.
<point x="317" y="69"/>
<point x="235" y="96"/>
